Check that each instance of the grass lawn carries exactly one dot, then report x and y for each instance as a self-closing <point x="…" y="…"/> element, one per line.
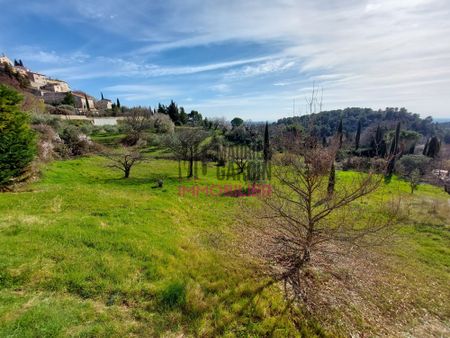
<point x="85" y="253"/>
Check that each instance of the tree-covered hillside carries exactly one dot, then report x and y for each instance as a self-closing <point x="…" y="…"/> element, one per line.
<point x="326" y="123"/>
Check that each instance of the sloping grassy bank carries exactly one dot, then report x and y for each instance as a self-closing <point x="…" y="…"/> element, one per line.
<point x="85" y="253"/>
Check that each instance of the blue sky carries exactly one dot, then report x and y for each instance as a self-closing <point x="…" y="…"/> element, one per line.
<point x="240" y="57"/>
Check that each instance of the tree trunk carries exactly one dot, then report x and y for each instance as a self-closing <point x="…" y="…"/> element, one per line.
<point x="191" y="167"/>
<point x="127" y="172"/>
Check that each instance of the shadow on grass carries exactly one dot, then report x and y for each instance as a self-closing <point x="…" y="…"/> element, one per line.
<point x="135" y="181"/>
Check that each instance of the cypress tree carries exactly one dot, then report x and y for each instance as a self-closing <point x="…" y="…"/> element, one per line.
<point x="395" y="141"/>
<point x="376" y="142"/>
<point x="20" y="63"/>
<point x="358" y="135"/>
<point x="378" y="135"/>
<point x="382" y="149"/>
<point x="392" y="147"/>
<point x="102" y="95"/>
<point x="266" y="147"/>
<point x="433" y="147"/>
<point x="340" y="133"/>
<point x="87" y="102"/>
<point x="117" y="103"/>
<point x="331" y="180"/>
<point x="390" y="169"/>
<point x="425" y="149"/>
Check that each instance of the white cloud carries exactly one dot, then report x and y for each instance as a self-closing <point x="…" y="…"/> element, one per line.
<point x="221" y="88"/>
<point x="136" y="92"/>
<point x="99" y="67"/>
<point x="370" y="52"/>
<point x="263" y="68"/>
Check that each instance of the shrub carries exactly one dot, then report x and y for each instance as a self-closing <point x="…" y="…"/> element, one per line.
<point x="52" y="121"/>
<point x="17" y="141"/>
<point x="77" y="142"/>
<point x="50" y="145"/>
<point x="412" y="168"/>
<point x="162" y="123"/>
<point x="409" y="163"/>
<point x="67" y="107"/>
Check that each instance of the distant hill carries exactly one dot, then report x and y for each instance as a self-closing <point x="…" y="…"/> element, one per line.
<point x="326" y="123"/>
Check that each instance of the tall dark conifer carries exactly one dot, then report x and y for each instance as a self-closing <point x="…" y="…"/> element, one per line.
<point x="87" y="102"/>
<point x="433" y="147"/>
<point x="331" y="180"/>
<point x="266" y="146"/>
<point x="425" y="149"/>
<point x="358" y="135"/>
<point x="396" y="141"/>
<point x="340" y="133"/>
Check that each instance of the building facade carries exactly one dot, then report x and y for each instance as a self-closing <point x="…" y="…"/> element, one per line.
<point x="103" y="104"/>
<point x="84" y="102"/>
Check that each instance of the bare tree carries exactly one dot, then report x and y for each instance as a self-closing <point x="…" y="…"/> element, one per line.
<point x="124" y="160"/>
<point x="305" y="224"/>
<point x="137" y="120"/>
<point x="186" y="145"/>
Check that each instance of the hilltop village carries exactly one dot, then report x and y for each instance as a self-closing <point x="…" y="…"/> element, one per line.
<point x="53" y="91"/>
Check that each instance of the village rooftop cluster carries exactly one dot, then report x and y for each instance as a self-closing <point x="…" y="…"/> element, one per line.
<point x="53" y="91"/>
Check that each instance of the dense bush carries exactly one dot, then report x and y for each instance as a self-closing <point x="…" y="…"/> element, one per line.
<point x="162" y="123"/>
<point x="53" y="121"/>
<point x="363" y="164"/>
<point x="17" y="141"/>
<point x="408" y="163"/>
<point x="77" y="142"/>
<point x="50" y="145"/>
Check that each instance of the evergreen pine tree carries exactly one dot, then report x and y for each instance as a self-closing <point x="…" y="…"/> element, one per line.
<point x="173" y="112"/>
<point x="17" y="142"/>
<point x="162" y="109"/>
<point x="183" y="116"/>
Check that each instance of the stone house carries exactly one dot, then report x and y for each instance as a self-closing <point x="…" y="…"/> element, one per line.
<point x="37" y="80"/>
<point x="53" y="97"/>
<point x="56" y="86"/>
<point x="103" y="104"/>
<point x="81" y="103"/>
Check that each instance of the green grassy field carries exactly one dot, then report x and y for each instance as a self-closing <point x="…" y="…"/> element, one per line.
<point x="86" y="253"/>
